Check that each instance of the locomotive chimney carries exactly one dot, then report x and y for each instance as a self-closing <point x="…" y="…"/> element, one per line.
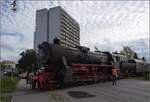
<point x="56" y="41"/>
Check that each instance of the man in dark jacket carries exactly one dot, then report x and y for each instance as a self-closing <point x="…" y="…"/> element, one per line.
<point x="61" y="76"/>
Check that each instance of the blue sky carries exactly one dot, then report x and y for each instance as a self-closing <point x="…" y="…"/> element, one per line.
<point x="106" y="24"/>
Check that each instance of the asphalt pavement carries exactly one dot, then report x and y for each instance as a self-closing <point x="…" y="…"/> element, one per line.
<point x="125" y="91"/>
<point x="24" y="93"/>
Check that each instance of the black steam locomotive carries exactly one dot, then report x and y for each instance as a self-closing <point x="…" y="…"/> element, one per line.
<point x="70" y="65"/>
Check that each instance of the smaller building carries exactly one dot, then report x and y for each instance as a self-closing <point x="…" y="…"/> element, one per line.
<point x="8" y="64"/>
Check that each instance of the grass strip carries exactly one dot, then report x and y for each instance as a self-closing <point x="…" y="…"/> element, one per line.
<point x="5" y="98"/>
<point x="141" y="77"/>
<point x="7" y="85"/>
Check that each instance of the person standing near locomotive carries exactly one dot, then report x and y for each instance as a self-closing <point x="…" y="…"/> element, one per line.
<point x="114" y="76"/>
<point x="61" y="76"/>
<point x="60" y="70"/>
<point x="27" y="77"/>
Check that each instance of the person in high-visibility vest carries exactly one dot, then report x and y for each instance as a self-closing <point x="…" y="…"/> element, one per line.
<point x="114" y="76"/>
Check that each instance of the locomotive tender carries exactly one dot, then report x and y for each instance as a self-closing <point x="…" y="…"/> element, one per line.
<point x="130" y="67"/>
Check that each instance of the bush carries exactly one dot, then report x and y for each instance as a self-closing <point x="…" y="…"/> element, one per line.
<point x="8" y="84"/>
<point x="143" y="76"/>
<point x="5" y="98"/>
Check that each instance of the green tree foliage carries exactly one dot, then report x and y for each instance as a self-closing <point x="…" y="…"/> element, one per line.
<point x="3" y="66"/>
<point x="129" y="53"/>
<point x="96" y="49"/>
<point x="135" y="56"/>
<point x="116" y="52"/>
<point x="28" y="58"/>
<point x="143" y="58"/>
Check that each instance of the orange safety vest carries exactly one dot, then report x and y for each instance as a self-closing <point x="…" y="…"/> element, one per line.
<point x="114" y="71"/>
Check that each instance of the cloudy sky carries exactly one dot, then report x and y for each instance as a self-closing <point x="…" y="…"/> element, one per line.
<point x="109" y="25"/>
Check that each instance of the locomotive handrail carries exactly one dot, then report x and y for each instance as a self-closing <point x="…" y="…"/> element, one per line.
<point x="98" y="65"/>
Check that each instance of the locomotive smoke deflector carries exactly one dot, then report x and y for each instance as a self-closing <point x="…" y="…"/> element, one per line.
<point x="44" y="52"/>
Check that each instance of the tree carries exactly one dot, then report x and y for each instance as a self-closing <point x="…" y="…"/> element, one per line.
<point x="130" y="54"/>
<point x="28" y="58"/>
<point x="116" y="52"/>
<point x="143" y="58"/>
<point x="135" y="56"/>
<point x="96" y="49"/>
<point x="3" y="66"/>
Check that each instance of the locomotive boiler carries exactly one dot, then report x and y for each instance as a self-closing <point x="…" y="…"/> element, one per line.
<point x="52" y="54"/>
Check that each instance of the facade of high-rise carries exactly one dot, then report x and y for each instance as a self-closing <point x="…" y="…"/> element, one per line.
<point x="41" y="28"/>
<point x="56" y="23"/>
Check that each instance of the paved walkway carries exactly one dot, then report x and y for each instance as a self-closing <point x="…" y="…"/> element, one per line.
<point x="25" y="94"/>
<point x="125" y="91"/>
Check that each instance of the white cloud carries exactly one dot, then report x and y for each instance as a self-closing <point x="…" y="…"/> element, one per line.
<point x="101" y="22"/>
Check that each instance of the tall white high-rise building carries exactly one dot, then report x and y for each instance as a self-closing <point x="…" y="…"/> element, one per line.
<point x="56" y="23"/>
<point x="41" y="29"/>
